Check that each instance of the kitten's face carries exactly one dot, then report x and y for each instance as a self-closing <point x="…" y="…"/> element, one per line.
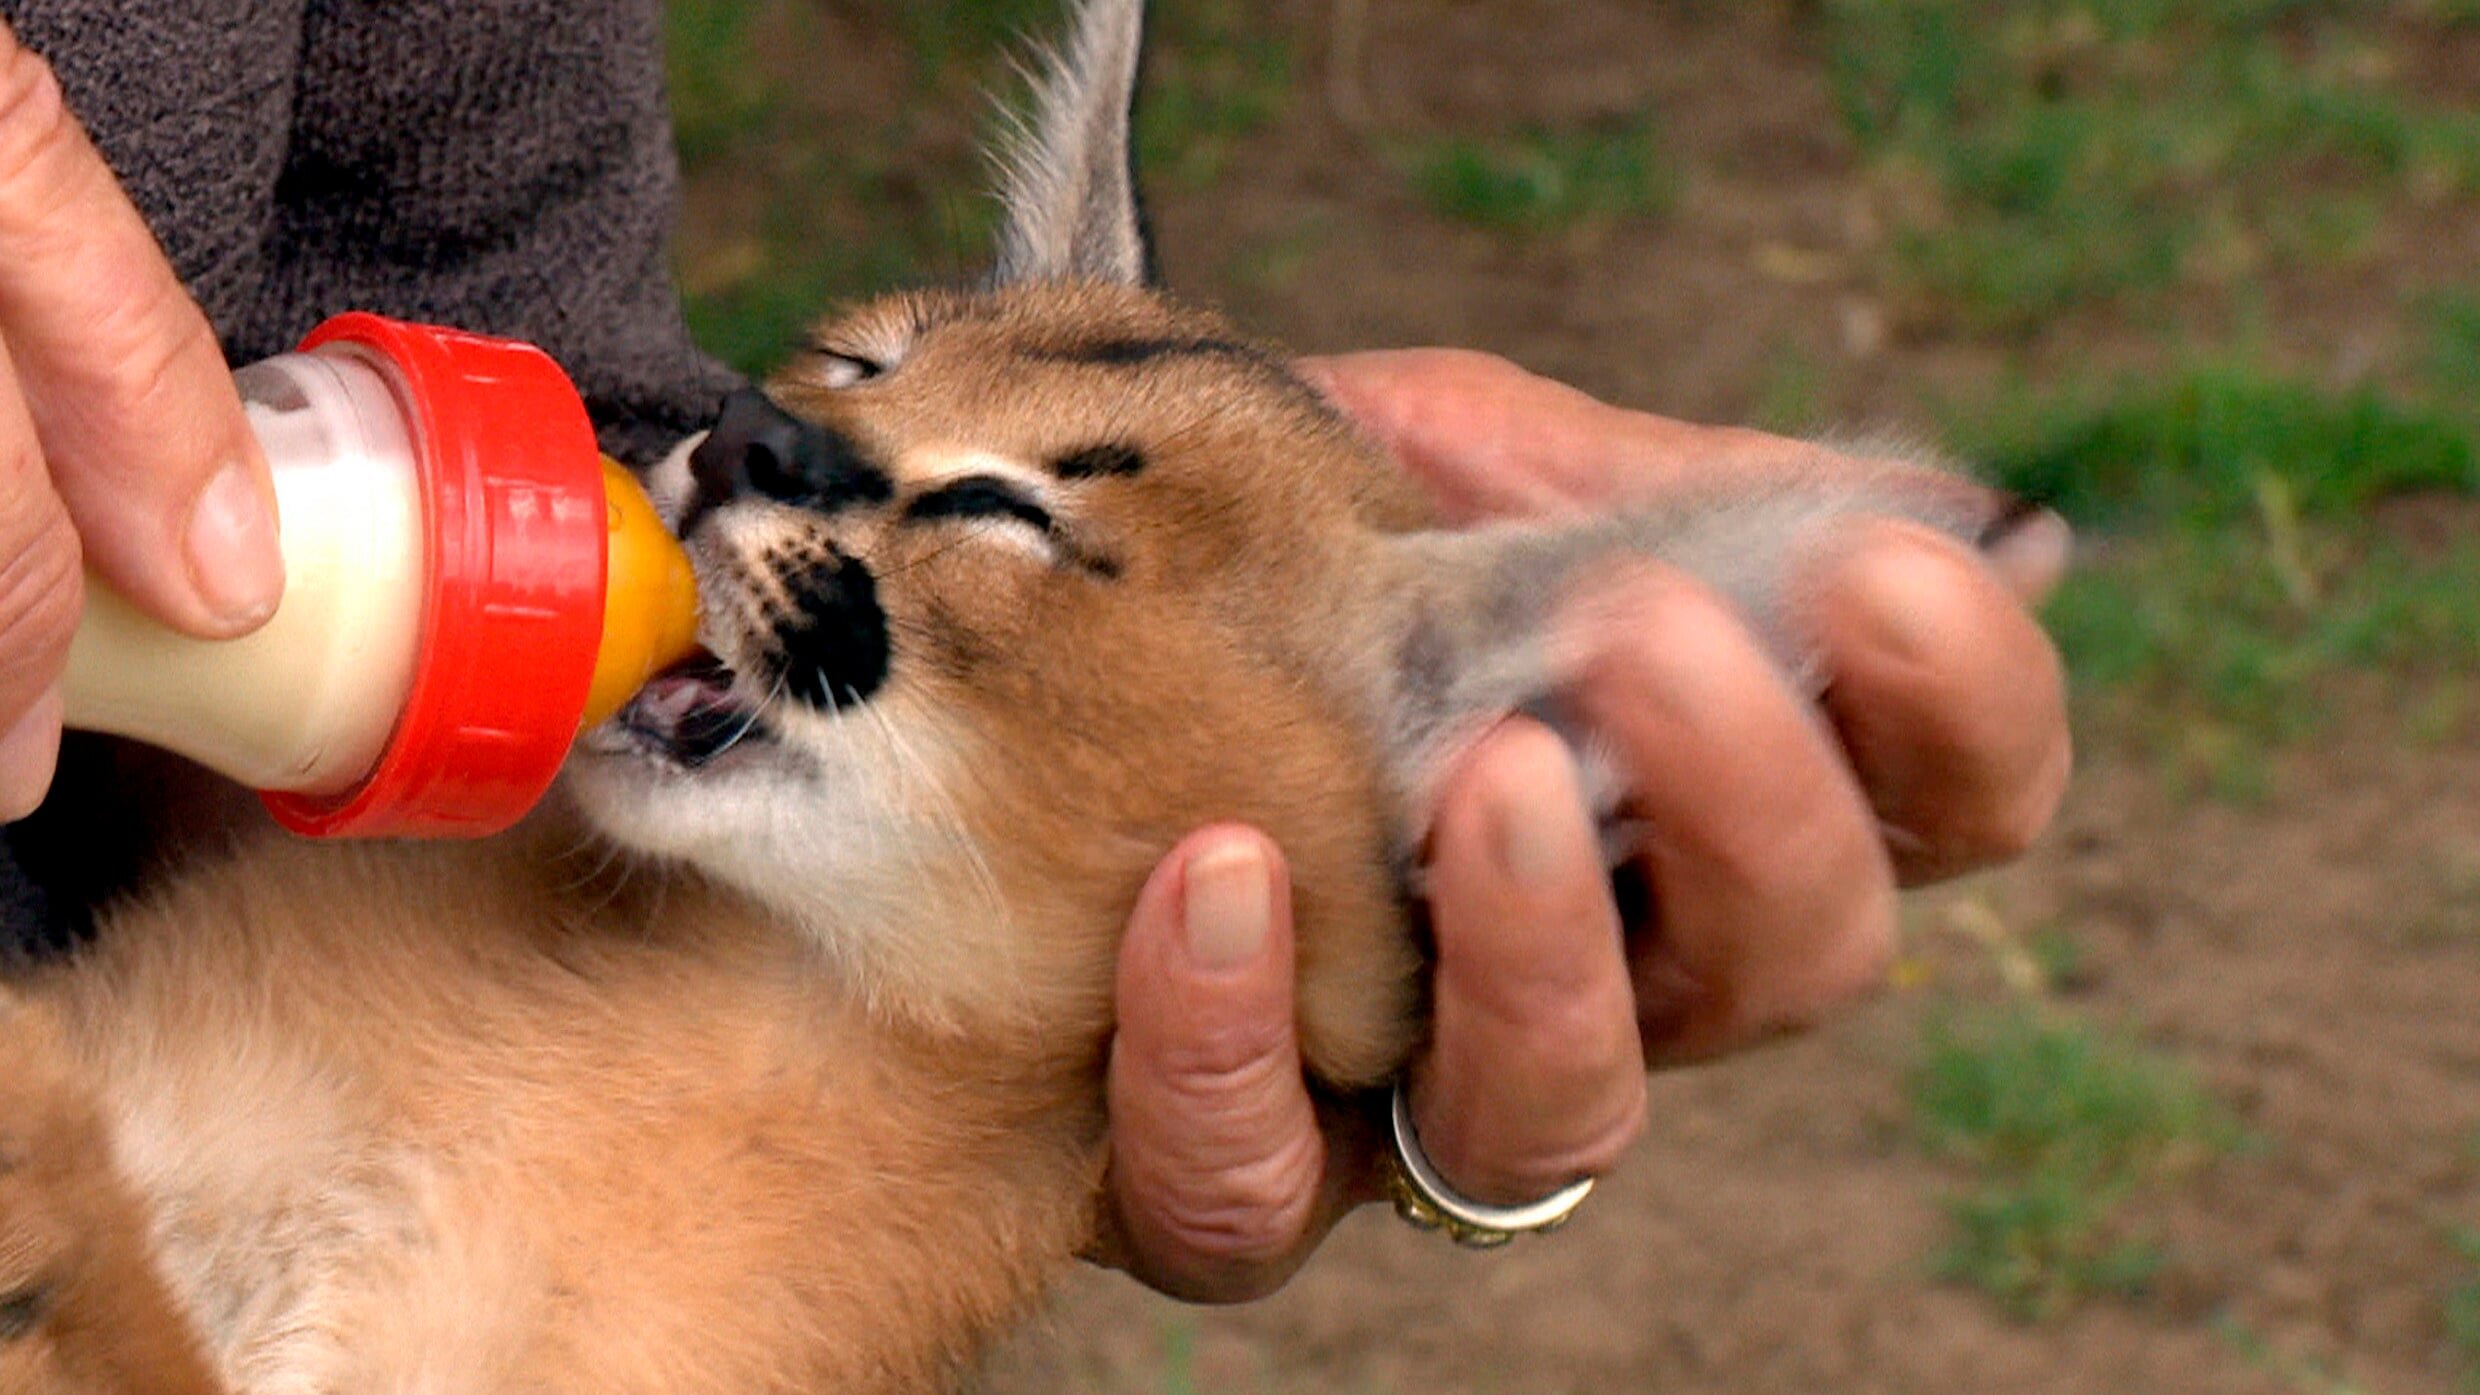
<point x="1009" y="590"/>
<point x="1039" y="580"/>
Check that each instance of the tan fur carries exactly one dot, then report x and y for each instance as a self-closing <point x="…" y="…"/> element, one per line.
<point x="412" y="1119"/>
<point x="468" y="1118"/>
<point x="779" y="1069"/>
<point x="1230" y="630"/>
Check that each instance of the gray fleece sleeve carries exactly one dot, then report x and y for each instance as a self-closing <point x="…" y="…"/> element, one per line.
<point x="505" y="166"/>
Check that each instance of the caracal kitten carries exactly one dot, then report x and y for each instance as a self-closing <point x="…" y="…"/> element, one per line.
<point x="1006" y="590"/>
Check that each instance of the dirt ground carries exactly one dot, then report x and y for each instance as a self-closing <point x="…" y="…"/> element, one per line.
<point x="1771" y="1233"/>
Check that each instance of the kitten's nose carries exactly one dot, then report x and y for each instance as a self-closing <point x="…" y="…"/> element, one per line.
<point x="759" y="448"/>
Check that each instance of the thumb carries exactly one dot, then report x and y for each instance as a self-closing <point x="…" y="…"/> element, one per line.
<point x="134" y="413"/>
<point x="1218" y="1170"/>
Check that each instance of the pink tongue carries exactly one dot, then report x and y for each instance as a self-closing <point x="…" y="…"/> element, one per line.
<point x="673" y="699"/>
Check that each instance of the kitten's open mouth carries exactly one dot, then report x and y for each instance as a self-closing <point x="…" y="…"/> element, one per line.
<point x="690" y="713"/>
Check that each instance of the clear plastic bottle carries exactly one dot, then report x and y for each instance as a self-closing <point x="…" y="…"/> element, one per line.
<point x="468" y="583"/>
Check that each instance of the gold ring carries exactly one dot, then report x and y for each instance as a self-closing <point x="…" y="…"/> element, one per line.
<point x="1424" y="1199"/>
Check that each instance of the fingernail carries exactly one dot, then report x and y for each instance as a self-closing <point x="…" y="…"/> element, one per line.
<point x="29" y="752"/>
<point x="233" y="559"/>
<point x="1531" y="849"/>
<point x="1227" y="906"/>
<point x="2031" y="547"/>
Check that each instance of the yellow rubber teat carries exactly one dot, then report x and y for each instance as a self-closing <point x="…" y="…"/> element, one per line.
<point x="650" y="603"/>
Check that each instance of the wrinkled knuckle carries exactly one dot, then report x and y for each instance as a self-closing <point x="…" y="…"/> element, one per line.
<point x="1223" y="1061"/>
<point x="156" y="349"/>
<point x="34" y="115"/>
<point x="1244" y="1215"/>
<point x="40" y="585"/>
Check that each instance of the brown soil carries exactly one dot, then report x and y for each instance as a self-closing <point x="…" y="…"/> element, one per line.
<point x="2316" y="957"/>
<point x="1771" y="1234"/>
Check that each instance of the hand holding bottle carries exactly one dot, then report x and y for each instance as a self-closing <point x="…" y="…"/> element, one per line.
<point x="123" y="448"/>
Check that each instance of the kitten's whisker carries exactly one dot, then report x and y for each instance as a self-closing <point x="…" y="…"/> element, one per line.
<point x="949" y="816"/>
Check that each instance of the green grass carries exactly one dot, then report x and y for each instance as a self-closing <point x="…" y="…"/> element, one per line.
<point x="2046" y="159"/>
<point x="2451" y="352"/>
<point x="828" y="210"/>
<point x="2449" y="912"/>
<point x="2242" y="573"/>
<point x="2066" y="1131"/>
<point x="1217" y="72"/>
<point x="2462" y="1310"/>
<point x="1541" y="180"/>
<point x="2042" y="157"/>
<point x="955" y="41"/>
<point x="2301" y="1373"/>
<point x="720" y="95"/>
<point x="2222" y="615"/>
<point x="2200" y="446"/>
<point x="822" y="210"/>
<point x="1179" y="1358"/>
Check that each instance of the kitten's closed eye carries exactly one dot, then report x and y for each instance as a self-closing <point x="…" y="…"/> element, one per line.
<point x="842" y="370"/>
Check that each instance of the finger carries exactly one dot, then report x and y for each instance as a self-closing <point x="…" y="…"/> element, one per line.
<point x="2030" y="549"/>
<point x="1948" y="697"/>
<point x="1219" y="1182"/>
<point x="1488" y="439"/>
<point x="40" y="589"/>
<point x="1536" y="1075"/>
<point x="1485" y="438"/>
<point x="1774" y="899"/>
<point x="128" y="391"/>
<point x="29" y="755"/>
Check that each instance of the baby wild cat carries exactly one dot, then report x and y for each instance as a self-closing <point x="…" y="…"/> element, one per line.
<point x="1006" y="591"/>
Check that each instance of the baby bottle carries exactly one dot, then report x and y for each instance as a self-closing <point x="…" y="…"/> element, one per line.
<point x="468" y="584"/>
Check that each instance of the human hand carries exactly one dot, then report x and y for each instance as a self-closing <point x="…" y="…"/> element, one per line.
<point x="1777" y="842"/>
<point x="122" y="443"/>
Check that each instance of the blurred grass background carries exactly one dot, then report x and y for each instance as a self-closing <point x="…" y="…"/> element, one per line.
<point x="2278" y="523"/>
<point x="2041" y="164"/>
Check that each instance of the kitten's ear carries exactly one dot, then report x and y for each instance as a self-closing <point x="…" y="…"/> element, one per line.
<point x="1469" y="631"/>
<point x="1067" y="174"/>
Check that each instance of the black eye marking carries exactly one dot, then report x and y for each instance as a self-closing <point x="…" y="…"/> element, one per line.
<point x="978" y="496"/>
<point x="1118" y="353"/>
<point x="1108" y="458"/>
<point x="982" y="496"/>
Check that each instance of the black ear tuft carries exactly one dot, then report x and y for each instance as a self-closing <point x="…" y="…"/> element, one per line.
<point x="1069" y="180"/>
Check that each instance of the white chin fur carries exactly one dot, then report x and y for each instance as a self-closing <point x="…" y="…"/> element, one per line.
<point x="881" y="891"/>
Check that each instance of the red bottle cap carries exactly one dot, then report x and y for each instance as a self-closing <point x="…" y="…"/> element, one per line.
<point x="512" y="611"/>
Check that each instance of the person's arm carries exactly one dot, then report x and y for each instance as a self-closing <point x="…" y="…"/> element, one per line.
<point x="1780" y="831"/>
<point x="506" y="169"/>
